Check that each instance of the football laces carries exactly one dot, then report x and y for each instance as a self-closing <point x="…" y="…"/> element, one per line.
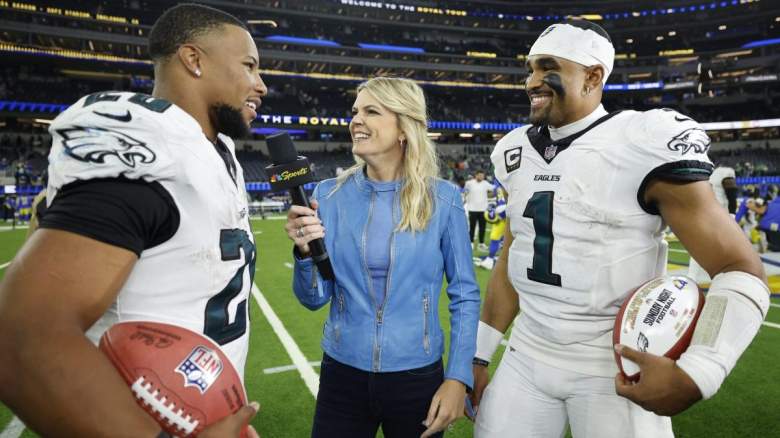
<point x="146" y="393"/>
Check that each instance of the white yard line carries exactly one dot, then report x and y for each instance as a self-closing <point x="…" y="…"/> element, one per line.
<point x="288" y="264"/>
<point x="4" y="265"/>
<point x="14" y="429"/>
<point x="774" y="305"/>
<point x="677" y="250"/>
<point x="309" y="376"/>
<point x="10" y="228"/>
<point x="771" y="324"/>
<point x="284" y="368"/>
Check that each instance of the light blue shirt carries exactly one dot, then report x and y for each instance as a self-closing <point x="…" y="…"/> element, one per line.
<point x="380" y="231"/>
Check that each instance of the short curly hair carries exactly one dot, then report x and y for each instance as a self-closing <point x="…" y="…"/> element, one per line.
<point x="183" y="23"/>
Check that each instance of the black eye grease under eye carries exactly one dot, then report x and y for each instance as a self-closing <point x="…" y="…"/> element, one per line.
<point x="553" y="80"/>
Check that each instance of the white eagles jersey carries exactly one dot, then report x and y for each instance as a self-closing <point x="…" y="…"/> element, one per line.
<point x="716" y="179"/>
<point x="583" y="236"/>
<point x="201" y="277"/>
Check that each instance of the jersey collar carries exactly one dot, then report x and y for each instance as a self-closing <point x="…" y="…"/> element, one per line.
<point x="548" y="149"/>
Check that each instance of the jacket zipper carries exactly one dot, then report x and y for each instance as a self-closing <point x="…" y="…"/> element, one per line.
<point x="377" y="349"/>
<point x="426" y="335"/>
<point x="381" y="310"/>
<point x="341" y="318"/>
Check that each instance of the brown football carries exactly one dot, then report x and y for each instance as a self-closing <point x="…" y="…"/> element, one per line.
<point x="180" y="377"/>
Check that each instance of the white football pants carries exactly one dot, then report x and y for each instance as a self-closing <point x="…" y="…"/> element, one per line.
<point x="527" y="398"/>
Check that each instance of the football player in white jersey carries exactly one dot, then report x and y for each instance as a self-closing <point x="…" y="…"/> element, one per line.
<point x="724" y="185"/>
<point x="146" y="220"/>
<point x="590" y="193"/>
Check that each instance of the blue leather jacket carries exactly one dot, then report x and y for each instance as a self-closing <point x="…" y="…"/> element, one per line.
<point x="404" y="333"/>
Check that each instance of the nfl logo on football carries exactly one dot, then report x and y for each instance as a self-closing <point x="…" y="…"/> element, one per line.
<point x="200" y="369"/>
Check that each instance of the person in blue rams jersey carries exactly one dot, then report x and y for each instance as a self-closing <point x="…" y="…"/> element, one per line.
<point x="770" y="224"/>
<point x="590" y="193"/>
<point x="145" y="220"/>
<point x="393" y="231"/>
<point x="495" y="215"/>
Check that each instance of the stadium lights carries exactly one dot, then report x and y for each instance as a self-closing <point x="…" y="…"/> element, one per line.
<point x="356" y="78"/>
<point x="676" y="52"/>
<point x="722" y="27"/>
<point x="682" y="60"/>
<point x="465" y="135"/>
<point x="672" y="33"/>
<point x="630" y="41"/>
<point x="501" y="16"/>
<point x="71" y="54"/>
<point x="51" y="10"/>
<point x="270" y="23"/>
<point x="481" y="54"/>
<point x="24" y="6"/>
<point x="761" y="43"/>
<point x="43" y="121"/>
<point x="298" y="40"/>
<point x="94" y="74"/>
<point x="389" y="48"/>
<point x="634" y="86"/>
<point x="734" y="54"/>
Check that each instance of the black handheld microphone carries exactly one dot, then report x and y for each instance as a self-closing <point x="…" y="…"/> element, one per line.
<point x="290" y="172"/>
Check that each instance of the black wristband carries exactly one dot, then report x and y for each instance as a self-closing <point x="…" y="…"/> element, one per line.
<point x="480" y="362"/>
<point x="164" y="434"/>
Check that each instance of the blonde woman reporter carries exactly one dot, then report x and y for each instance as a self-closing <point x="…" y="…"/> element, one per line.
<point x="393" y="231"/>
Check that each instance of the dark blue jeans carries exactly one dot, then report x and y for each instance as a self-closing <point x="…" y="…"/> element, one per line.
<point x="354" y="403"/>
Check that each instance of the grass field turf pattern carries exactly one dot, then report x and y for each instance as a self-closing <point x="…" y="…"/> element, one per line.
<point x="746" y="405"/>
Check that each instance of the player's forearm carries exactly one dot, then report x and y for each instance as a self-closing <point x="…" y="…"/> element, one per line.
<point x="501" y="301"/>
<point x="59" y="384"/>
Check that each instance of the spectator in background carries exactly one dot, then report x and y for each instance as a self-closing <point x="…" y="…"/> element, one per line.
<point x="476" y="192"/>
<point x="22" y="176"/>
<point x="749" y="214"/>
<point x="9" y="207"/>
<point x="770" y="224"/>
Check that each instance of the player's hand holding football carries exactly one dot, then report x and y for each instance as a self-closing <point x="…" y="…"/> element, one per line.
<point x="481" y="380"/>
<point x="663" y="387"/>
<point x="231" y="426"/>
<point x="446" y="407"/>
<point x="303" y="226"/>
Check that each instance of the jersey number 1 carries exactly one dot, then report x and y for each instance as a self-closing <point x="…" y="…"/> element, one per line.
<point x="540" y="209"/>
<point x="218" y="326"/>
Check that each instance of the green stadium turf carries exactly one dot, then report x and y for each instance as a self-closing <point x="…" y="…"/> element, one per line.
<point x="745" y="406"/>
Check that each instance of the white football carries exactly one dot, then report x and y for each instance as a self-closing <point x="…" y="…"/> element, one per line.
<point x="658" y="318"/>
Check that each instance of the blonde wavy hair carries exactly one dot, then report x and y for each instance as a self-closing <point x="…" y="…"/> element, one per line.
<point x="420" y="163"/>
